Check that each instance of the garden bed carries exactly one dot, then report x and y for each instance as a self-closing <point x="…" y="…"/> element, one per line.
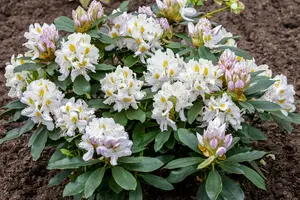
<point x="270" y="32"/>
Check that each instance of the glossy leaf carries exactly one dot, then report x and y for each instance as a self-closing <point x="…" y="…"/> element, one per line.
<point x="64" y="24"/>
<point x="213" y="185"/>
<point x="247" y="156"/>
<point x="124" y="178"/>
<point x="254" y="177"/>
<point x="93" y="181"/>
<point x="189" y="139"/>
<point x="183" y="162"/>
<point x="142" y="164"/>
<point x="138" y="114"/>
<point x="157" y="182"/>
<point x="194" y="111"/>
<point x="161" y="139"/>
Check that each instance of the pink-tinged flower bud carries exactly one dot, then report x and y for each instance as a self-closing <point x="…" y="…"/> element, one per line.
<point x="227" y="60"/>
<point x="227" y="140"/>
<point x="213" y="143"/>
<point x="231" y="86"/>
<point x="200" y="139"/>
<point x="164" y="24"/>
<point x="221" y="151"/>
<point x="146" y="10"/>
<point x="239" y="84"/>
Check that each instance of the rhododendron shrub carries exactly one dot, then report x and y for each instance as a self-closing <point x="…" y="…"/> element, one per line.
<point x="126" y="96"/>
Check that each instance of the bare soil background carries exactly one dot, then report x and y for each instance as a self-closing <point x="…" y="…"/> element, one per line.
<point x="270" y="31"/>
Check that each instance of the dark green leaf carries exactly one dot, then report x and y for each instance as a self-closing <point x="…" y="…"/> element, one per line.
<point x="259" y="86"/>
<point x="76" y="187"/>
<point x="149" y="94"/>
<point x="12" y="134"/>
<point x="141" y="164"/>
<point x="137" y="194"/>
<point x="224" y="40"/>
<point x="201" y="194"/>
<point x="120" y="118"/>
<point x="283" y="124"/>
<point x="295" y="117"/>
<point x="39" y="144"/>
<point x="183" y="162"/>
<point x="64" y="24"/>
<point x="104" y="67"/>
<point x="161" y="139"/>
<point x="138" y="114"/>
<point x="205" y="53"/>
<point x="124" y="178"/>
<point x="106" y="39"/>
<point x="131" y="60"/>
<point x="255" y="134"/>
<point x="157" y="182"/>
<point x="138" y="133"/>
<point x="70" y="163"/>
<point x="194" y="111"/>
<point x="63" y="84"/>
<point x="189" y="139"/>
<point x="231" y="190"/>
<point x="58" y="178"/>
<point x="265" y="116"/>
<point x="28" y="67"/>
<point x="248" y="106"/>
<point x="81" y="86"/>
<point x="114" y="186"/>
<point x="98" y="75"/>
<point x="180" y="174"/>
<point x="254" y="177"/>
<point x="93" y="181"/>
<point x="231" y="167"/>
<point x="55" y="134"/>
<point x="15" y="105"/>
<point x="51" y="68"/>
<point x="265" y="105"/>
<point x="213" y="185"/>
<point x="98" y="104"/>
<point x="184" y="36"/>
<point x="165" y="158"/>
<point x="247" y="156"/>
<point x="175" y="45"/>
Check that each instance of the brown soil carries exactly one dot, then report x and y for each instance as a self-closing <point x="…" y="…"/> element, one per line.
<point x="270" y="31"/>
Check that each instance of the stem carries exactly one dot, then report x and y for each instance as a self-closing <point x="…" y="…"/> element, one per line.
<point x="215" y="11"/>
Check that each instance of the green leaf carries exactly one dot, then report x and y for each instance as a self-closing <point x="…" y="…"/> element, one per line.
<point x="28" y="67"/>
<point x="124" y="178"/>
<point x="237" y="51"/>
<point x="98" y="75"/>
<point x="254" y="177"/>
<point x="206" y="162"/>
<point x="114" y="186"/>
<point x="39" y="144"/>
<point x="138" y="133"/>
<point x="93" y="181"/>
<point x="184" y="36"/>
<point x="194" y="111"/>
<point x="120" y="118"/>
<point x="265" y="116"/>
<point x="184" y="51"/>
<point x="51" y="68"/>
<point x="247" y="156"/>
<point x="165" y="158"/>
<point x="224" y="40"/>
<point x="148" y="137"/>
<point x="104" y="67"/>
<point x="201" y="194"/>
<point x="149" y="94"/>
<point x="175" y="45"/>
<point x="12" y="134"/>
<point x="76" y="187"/>
<point x="248" y="106"/>
<point x="189" y="139"/>
<point x="58" y="178"/>
<point x="57" y="155"/>
<point x="64" y="24"/>
<point x="15" y="105"/>
<point x="213" y="185"/>
<point x="137" y="194"/>
<point x="63" y="84"/>
<point x="55" y="134"/>
<point x="123" y="6"/>
<point x="157" y="182"/>
<point x="81" y="86"/>
<point x="205" y="53"/>
<point x="138" y="114"/>
<point x="98" y="104"/>
<point x="17" y="115"/>
<point x="161" y="139"/>
<point x="231" y="167"/>
<point x="141" y="164"/>
<point x="283" y="124"/>
<point x="295" y="117"/>
<point x="70" y="163"/>
<point x="131" y="60"/>
<point x="105" y="39"/>
<point x="280" y="115"/>
<point x="231" y="190"/>
<point x="265" y="105"/>
<point x="255" y="134"/>
<point x="183" y="162"/>
<point x="261" y="85"/>
<point x="180" y="174"/>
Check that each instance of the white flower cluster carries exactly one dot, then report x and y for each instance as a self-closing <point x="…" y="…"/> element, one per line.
<point x="108" y="138"/>
<point x="214" y="141"/>
<point x="42" y="41"/>
<point x="142" y="33"/>
<point x="201" y="77"/>
<point x="76" y="56"/>
<point x="223" y="108"/>
<point x="281" y="93"/>
<point x="19" y="80"/>
<point x="122" y="89"/>
<point x="163" y="67"/>
<point x="74" y="116"/>
<point x="43" y="100"/>
<point x="203" y="34"/>
<point x="171" y="99"/>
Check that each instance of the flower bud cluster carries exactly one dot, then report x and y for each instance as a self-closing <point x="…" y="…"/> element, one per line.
<point x="214" y="141"/>
<point x="76" y="56"/>
<point x="74" y="116"/>
<point x="107" y="138"/>
<point x="43" y="99"/>
<point x="122" y="89"/>
<point x="171" y="99"/>
<point x="83" y="20"/>
<point x="42" y="41"/>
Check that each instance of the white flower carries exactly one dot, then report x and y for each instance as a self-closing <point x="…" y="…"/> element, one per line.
<point x="201" y="77"/>
<point x="122" y="89"/>
<point x="43" y="100"/>
<point x="16" y="81"/>
<point x="171" y="99"/>
<point x="163" y="67"/>
<point x="77" y="56"/>
<point x="74" y="116"/>
<point x="108" y="138"/>
<point x="225" y="109"/>
<point x="281" y="93"/>
<point x="214" y="141"/>
<point x="42" y="41"/>
<point x="254" y="68"/>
